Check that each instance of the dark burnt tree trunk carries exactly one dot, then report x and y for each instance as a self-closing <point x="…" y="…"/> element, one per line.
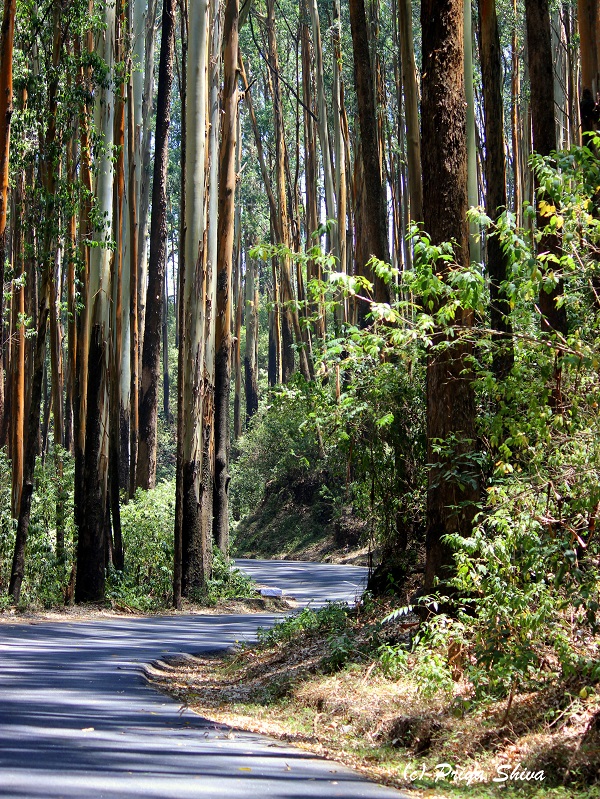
<point x="93" y="539"/>
<point x="148" y="406"/>
<point x="495" y="174"/>
<point x="450" y="398"/>
<point x="374" y="199"/>
<point x="541" y="78"/>
<point x="225" y="234"/>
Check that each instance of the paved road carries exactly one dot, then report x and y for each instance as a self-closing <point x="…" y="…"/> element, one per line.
<point x="312" y="584"/>
<point x="78" y="721"/>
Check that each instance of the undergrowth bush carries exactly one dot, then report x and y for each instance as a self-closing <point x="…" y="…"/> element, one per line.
<point x="147" y="524"/>
<point x="46" y="574"/>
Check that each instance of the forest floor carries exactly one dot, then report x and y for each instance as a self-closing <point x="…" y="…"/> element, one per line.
<point x="441" y="746"/>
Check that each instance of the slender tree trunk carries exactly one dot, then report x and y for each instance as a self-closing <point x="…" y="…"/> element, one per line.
<point x="70" y="407"/>
<point x="313" y="268"/>
<point x="281" y="226"/>
<point x="148" y="405"/>
<point x="179" y="481"/>
<point x="514" y="121"/>
<point x="115" y="356"/>
<point x="250" y="365"/>
<point x="588" y="12"/>
<point x="472" y="190"/>
<point x="31" y="447"/>
<point x="17" y="404"/>
<point x="7" y="34"/>
<point x="83" y="317"/>
<point x="165" y="351"/>
<point x="275" y="345"/>
<point x="322" y="125"/>
<point x="238" y="297"/>
<point x="411" y="108"/>
<point x="195" y="545"/>
<point x="340" y="158"/>
<point x="539" y="47"/>
<point x="138" y="147"/>
<point x="450" y="398"/>
<point x="498" y="262"/>
<point x="374" y="208"/>
<point x="92" y="541"/>
<point x="226" y="230"/>
<point x="146" y="121"/>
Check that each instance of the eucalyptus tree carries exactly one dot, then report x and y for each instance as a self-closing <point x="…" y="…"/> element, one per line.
<point x="7" y="36"/>
<point x="450" y="397"/>
<point x="495" y="172"/>
<point x="226" y="228"/>
<point x="195" y="543"/>
<point x="373" y="201"/>
<point x="539" y="52"/>
<point x="148" y="403"/>
<point x="411" y="106"/>
<point x="92" y="535"/>
<point x="589" y="43"/>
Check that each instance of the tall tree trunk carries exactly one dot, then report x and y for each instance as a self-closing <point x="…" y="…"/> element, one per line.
<point x="313" y="268"/>
<point x="70" y="408"/>
<point x="83" y="316"/>
<point x="281" y="221"/>
<point x="146" y="121"/>
<point x="514" y="119"/>
<point x="250" y="364"/>
<point x="17" y="403"/>
<point x="450" y="398"/>
<point x="472" y="190"/>
<point x="138" y="147"/>
<point x="322" y="125"/>
<point x="275" y="360"/>
<point x="92" y="540"/>
<point x="411" y="108"/>
<point x="226" y="227"/>
<point x="7" y="35"/>
<point x="165" y="351"/>
<point x="148" y="406"/>
<point x="195" y="545"/>
<point x="179" y="482"/>
<point x="238" y="298"/>
<point x="115" y="357"/>
<point x="588" y="12"/>
<point x="498" y="262"/>
<point x="539" y="49"/>
<point x="340" y="159"/>
<point x="31" y="447"/>
<point x="374" y="201"/>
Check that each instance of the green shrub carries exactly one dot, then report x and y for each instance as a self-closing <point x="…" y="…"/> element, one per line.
<point x="147" y="524"/>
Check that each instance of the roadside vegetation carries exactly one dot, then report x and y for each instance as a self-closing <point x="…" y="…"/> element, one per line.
<point x="404" y="703"/>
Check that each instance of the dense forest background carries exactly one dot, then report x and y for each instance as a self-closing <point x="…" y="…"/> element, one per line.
<point x="239" y="266"/>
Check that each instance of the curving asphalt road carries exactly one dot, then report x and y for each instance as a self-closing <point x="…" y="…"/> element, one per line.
<point x="78" y="721"/>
